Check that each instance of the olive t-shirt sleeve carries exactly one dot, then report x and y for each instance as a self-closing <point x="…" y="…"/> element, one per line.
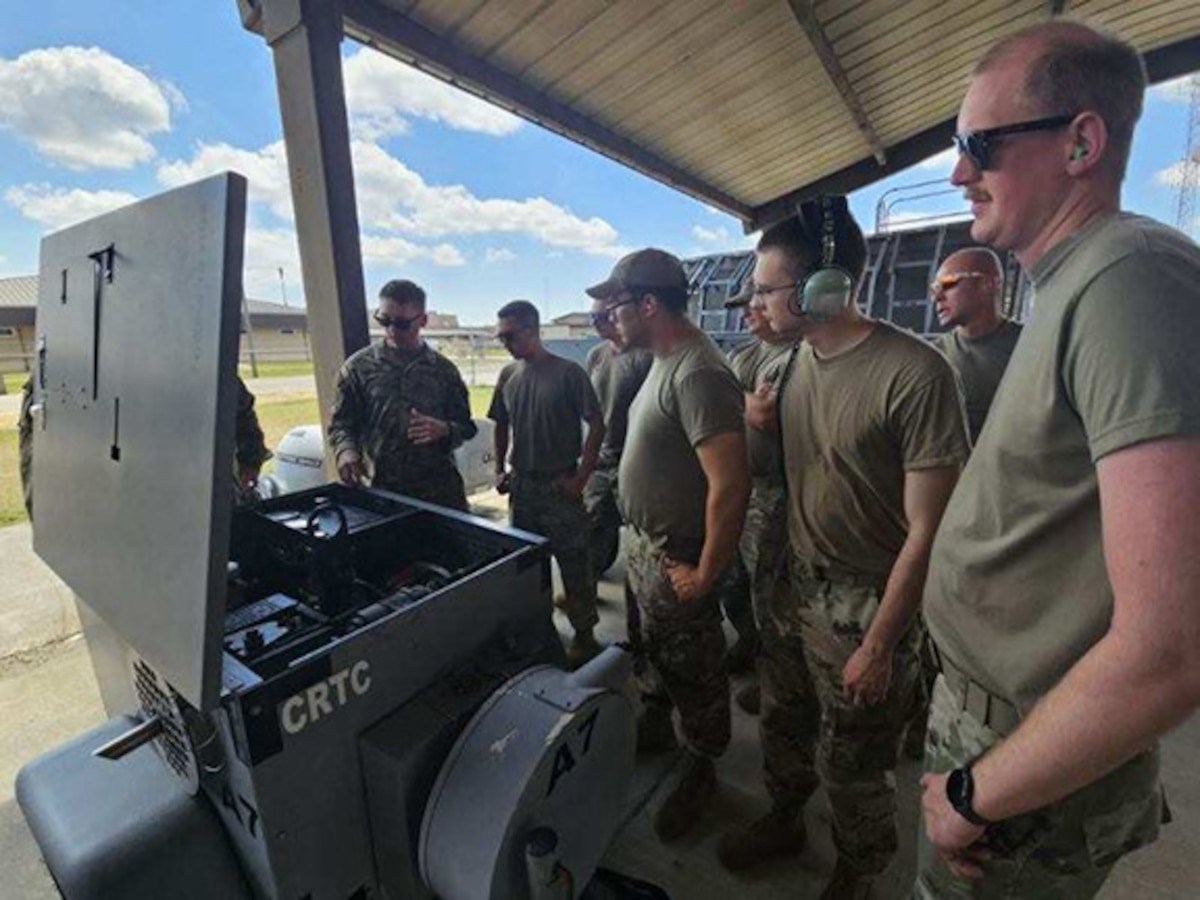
<point x="709" y="401"/>
<point x="1131" y="369"/>
<point x="498" y="411"/>
<point x="585" y="394"/>
<point x="931" y="422"/>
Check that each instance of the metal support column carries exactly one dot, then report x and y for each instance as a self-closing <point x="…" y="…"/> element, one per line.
<point x="305" y="38"/>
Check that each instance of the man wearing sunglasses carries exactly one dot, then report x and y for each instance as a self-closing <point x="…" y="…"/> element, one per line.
<point x="873" y="434"/>
<point x="617" y="371"/>
<point x="402" y="408"/>
<point x="539" y="407"/>
<point x="683" y="490"/>
<point x="1063" y="583"/>
<point x="967" y="293"/>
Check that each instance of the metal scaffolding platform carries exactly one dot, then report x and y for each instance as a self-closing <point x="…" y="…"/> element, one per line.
<point x="900" y="266"/>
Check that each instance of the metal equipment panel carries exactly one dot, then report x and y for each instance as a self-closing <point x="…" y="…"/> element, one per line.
<point x="138" y="330"/>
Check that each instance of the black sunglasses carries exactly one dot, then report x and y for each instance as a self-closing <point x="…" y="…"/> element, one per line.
<point x="612" y="308"/>
<point x="977" y="145"/>
<point x="399" y="324"/>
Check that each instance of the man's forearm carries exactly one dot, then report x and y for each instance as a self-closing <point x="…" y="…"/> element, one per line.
<point x="591" y="449"/>
<point x="902" y="595"/>
<point x="1112" y="704"/>
<point x="500" y="442"/>
<point x="724" y="516"/>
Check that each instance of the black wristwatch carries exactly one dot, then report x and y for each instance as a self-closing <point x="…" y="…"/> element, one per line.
<point x="960" y="791"/>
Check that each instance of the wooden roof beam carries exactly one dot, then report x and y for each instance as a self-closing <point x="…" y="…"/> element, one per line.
<point x="807" y="17"/>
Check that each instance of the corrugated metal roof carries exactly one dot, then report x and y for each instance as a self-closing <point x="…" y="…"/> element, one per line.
<point x="19" y="291"/>
<point x="743" y="102"/>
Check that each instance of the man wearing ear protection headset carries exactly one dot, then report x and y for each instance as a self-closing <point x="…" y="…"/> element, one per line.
<point x="873" y="435"/>
<point x="1063" y="585"/>
<point x="401" y="408"/>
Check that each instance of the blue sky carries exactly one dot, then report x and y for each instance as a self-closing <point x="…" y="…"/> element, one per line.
<point x="104" y="103"/>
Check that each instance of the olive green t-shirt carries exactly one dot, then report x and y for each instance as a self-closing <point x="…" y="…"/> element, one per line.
<point x="544" y="404"/>
<point x="755" y="364"/>
<point x="980" y="364"/>
<point x="688" y="397"/>
<point x="853" y="424"/>
<point x="616" y="375"/>
<point x="1017" y="589"/>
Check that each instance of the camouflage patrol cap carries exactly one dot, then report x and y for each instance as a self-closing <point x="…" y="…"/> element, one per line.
<point x="650" y="268"/>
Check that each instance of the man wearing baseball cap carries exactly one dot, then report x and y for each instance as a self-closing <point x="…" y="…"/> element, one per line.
<point x="683" y="486"/>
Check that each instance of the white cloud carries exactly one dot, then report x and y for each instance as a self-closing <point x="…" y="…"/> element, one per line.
<point x="718" y="235"/>
<point x="944" y="160"/>
<point x="394" y="199"/>
<point x="266" y="170"/>
<point x="382" y="93"/>
<point x="267" y="251"/>
<point x="57" y="208"/>
<point x="1172" y="176"/>
<point x="1177" y="90"/>
<point x="396" y="250"/>
<point x="84" y="107"/>
<point x="498" y="254"/>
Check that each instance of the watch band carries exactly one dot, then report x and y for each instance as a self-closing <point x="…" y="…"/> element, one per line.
<point x="960" y="791"/>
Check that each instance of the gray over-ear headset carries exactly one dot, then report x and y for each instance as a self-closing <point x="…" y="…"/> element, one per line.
<point x="829" y="288"/>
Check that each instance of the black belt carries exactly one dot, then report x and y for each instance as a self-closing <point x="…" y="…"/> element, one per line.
<point x="992" y="710"/>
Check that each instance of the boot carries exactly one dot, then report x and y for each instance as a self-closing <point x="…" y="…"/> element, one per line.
<point x="686" y="804"/>
<point x="778" y="834"/>
<point x="582" y="649"/>
<point x="749" y="698"/>
<point x="655" y="730"/>
<point x="847" y="884"/>
<point x="739" y="658"/>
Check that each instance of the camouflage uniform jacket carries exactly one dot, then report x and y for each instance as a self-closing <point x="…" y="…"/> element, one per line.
<point x="250" y="446"/>
<point x="25" y="440"/>
<point x="377" y="389"/>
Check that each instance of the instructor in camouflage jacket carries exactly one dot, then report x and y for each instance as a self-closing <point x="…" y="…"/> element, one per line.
<point x="402" y="408"/>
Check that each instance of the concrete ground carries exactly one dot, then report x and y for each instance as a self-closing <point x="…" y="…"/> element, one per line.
<point x="49" y="694"/>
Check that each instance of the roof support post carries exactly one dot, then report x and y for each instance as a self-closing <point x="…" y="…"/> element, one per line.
<point x="807" y="17"/>
<point x="305" y="38"/>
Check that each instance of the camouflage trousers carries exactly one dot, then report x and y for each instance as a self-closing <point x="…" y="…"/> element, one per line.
<point x="684" y="645"/>
<point x="747" y="587"/>
<point x="763" y="545"/>
<point x="1062" y="852"/>
<point x="600" y="501"/>
<point x="807" y="724"/>
<point x="443" y="487"/>
<point x="539" y="506"/>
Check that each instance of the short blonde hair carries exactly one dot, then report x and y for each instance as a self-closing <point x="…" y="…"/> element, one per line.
<point x="1080" y="68"/>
